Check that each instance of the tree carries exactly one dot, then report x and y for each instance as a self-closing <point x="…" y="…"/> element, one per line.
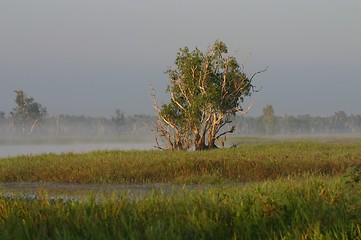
<point x="269" y="119"/>
<point x="2" y="120"/>
<point x="2" y="116"/>
<point x="340" y="122"/>
<point x="27" y="112"/>
<point x="118" y="120"/>
<point x="206" y="90"/>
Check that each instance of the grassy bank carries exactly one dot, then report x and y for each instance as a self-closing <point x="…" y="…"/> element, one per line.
<point x="317" y="208"/>
<point x="246" y="163"/>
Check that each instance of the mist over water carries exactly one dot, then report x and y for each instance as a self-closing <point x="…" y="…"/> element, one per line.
<point x="33" y="149"/>
<point x="78" y="134"/>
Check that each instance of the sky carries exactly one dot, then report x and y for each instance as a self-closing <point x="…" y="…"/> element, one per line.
<point x="91" y="57"/>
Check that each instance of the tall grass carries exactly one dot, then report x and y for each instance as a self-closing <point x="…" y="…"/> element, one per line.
<point x="245" y="163"/>
<point x="318" y="208"/>
<point x="295" y="190"/>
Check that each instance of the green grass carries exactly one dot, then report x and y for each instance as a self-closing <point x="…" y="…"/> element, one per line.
<point x="317" y="208"/>
<point x="246" y="163"/>
<point x="294" y="190"/>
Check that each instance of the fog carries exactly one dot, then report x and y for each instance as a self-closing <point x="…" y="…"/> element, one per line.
<point x="91" y="57"/>
<point x="76" y="134"/>
<point x="33" y="149"/>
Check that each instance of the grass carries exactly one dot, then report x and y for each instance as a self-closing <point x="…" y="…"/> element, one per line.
<point x="319" y="208"/>
<point x="246" y="163"/>
<point x="295" y="190"/>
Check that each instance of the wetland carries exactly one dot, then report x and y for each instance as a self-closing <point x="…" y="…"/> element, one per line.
<point x="261" y="189"/>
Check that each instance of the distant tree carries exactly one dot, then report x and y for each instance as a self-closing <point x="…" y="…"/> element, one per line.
<point x="317" y="124"/>
<point x="2" y="116"/>
<point x="206" y="90"/>
<point x="2" y="120"/>
<point x="27" y="112"/>
<point x="353" y="123"/>
<point x="140" y="124"/>
<point x="340" y="122"/>
<point x="269" y="119"/>
<point x="59" y="124"/>
<point x="305" y="123"/>
<point x="118" y="120"/>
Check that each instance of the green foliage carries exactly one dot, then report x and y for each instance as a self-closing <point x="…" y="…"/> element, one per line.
<point x="206" y="90"/>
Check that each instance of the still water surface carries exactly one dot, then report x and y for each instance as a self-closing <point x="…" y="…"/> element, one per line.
<point x="32" y="149"/>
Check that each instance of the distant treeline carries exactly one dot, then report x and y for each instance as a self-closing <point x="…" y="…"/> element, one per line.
<point x="65" y="125"/>
<point x="338" y="123"/>
<point x="119" y="124"/>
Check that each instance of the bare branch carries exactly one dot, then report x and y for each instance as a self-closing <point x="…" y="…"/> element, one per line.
<point x="154" y="100"/>
<point x="241" y="111"/>
<point x="185" y="95"/>
<point x="176" y="102"/>
<point x="226" y="132"/>
<point x="224" y="91"/>
<point x="256" y="73"/>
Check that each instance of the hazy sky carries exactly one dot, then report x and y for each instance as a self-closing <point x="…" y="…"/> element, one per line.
<point x="94" y="56"/>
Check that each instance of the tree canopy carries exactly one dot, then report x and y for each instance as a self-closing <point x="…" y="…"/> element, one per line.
<point x="27" y="112"/>
<point x="205" y="89"/>
<point x="269" y="119"/>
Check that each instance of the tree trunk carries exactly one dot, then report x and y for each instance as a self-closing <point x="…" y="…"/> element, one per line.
<point x="212" y="144"/>
<point x="32" y="127"/>
<point x="199" y="142"/>
<point x="212" y="141"/>
<point x="200" y="146"/>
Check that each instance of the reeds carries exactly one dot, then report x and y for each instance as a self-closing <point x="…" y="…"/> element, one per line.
<point x="294" y="190"/>
<point x="317" y="208"/>
<point x="243" y="164"/>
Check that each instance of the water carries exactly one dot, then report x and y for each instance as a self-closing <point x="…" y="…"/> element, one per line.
<point x="32" y="149"/>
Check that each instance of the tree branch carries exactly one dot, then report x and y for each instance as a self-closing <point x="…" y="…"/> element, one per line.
<point x="226" y="132"/>
<point x="256" y="73"/>
<point x="240" y="110"/>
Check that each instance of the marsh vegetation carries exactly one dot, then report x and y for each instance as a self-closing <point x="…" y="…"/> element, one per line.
<point x="265" y="189"/>
<point x="245" y="163"/>
<point x="318" y="208"/>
